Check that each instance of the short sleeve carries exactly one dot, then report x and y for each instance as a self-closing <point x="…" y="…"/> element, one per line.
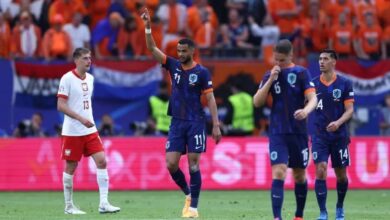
<point x="264" y="80"/>
<point x="63" y="89"/>
<point x="349" y="95"/>
<point x="308" y="84"/>
<point x="168" y="62"/>
<point x="206" y="82"/>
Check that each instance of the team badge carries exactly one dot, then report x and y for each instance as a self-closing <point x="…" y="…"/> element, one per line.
<point x="274" y="155"/>
<point x="67" y="152"/>
<point x="193" y="78"/>
<point x="291" y="79"/>
<point x="315" y="155"/>
<point x="336" y="94"/>
<point x="84" y="86"/>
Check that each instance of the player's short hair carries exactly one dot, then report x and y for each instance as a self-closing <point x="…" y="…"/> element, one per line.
<point x="78" y="52"/>
<point x="283" y="46"/>
<point x="187" y="41"/>
<point x="332" y="53"/>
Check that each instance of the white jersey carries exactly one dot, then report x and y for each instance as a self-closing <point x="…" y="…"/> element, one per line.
<point x="78" y="93"/>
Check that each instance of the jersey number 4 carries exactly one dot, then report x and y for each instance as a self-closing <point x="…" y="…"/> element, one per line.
<point x="320" y="105"/>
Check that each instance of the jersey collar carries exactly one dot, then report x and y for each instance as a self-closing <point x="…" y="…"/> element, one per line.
<point x="323" y="81"/>
<point x="74" y="71"/>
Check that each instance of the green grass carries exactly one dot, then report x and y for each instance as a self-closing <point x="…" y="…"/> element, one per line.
<point x="359" y="205"/>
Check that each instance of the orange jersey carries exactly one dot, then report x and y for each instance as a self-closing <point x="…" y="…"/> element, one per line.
<point x="98" y="11"/>
<point x="317" y="29"/>
<point x="194" y="21"/>
<point x="16" y="44"/>
<point x="67" y="10"/>
<point x="342" y="38"/>
<point x="334" y="9"/>
<point x="363" y="8"/>
<point x="56" y="43"/>
<point x="370" y="38"/>
<point x="5" y="40"/>
<point x="286" y="25"/>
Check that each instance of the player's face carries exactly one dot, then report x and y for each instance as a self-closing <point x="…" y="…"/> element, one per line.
<point x="326" y="62"/>
<point x="84" y="61"/>
<point x="282" y="60"/>
<point x="184" y="53"/>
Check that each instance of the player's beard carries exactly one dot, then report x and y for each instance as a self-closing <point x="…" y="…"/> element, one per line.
<point x="185" y="60"/>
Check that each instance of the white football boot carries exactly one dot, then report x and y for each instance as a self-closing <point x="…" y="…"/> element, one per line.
<point x="73" y="210"/>
<point x="108" y="208"/>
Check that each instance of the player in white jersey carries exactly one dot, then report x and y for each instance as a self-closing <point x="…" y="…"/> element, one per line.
<point x="79" y="133"/>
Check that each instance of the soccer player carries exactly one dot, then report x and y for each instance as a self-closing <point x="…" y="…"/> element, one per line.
<point x="291" y="87"/>
<point x="79" y="133"/>
<point x="335" y="107"/>
<point x="187" y="130"/>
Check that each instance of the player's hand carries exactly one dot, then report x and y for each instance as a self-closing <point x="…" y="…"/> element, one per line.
<point x="87" y="123"/>
<point x="333" y="126"/>
<point x="216" y="134"/>
<point x="146" y="18"/>
<point x="300" y="114"/>
<point x="275" y="72"/>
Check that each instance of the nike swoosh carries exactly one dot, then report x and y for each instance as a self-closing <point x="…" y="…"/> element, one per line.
<point x="275" y="196"/>
<point x="319" y="93"/>
<point x="321" y="193"/>
<point x="198" y="147"/>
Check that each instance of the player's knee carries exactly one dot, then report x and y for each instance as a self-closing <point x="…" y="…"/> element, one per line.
<point x="172" y="167"/>
<point x="299" y="177"/>
<point x="341" y="177"/>
<point x="101" y="164"/>
<point x="279" y="173"/>
<point x="70" y="167"/>
<point x="321" y="171"/>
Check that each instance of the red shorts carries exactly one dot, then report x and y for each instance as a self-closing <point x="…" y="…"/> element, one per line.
<point x="73" y="147"/>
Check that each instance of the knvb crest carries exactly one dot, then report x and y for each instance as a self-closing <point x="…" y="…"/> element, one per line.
<point x="336" y="94"/>
<point x="291" y="79"/>
<point x="193" y="78"/>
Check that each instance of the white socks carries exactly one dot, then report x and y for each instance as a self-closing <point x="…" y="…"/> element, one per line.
<point x="67" y="181"/>
<point x="102" y="180"/>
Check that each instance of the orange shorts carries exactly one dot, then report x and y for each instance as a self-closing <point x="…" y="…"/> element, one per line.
<point x="73" y="147"/>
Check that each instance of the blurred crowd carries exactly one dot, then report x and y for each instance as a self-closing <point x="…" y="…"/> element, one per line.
<point x="51" y="29"/>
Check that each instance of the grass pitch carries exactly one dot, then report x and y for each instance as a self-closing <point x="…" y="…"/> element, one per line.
<point x="359" y="205"/>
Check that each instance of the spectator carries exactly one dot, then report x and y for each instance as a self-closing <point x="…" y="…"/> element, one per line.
<point x="56" y="42"/>
<point x="30" y="128"/>
<point x="338" y="7"/>
<point x="235" y="34"/>
<point x="363" y="7"/>
<point x="97" y="11"/>
<point x="220" y="10"/>
<point x="239" y="5"/>
<point x="258" y="10"/>
<point x="119" y="7"/>
<point x="78" y="32"/>
<point x="26" y="38"/>
<point x="316" y="27"/>
<point x="108" y="127"/>
<point x="67" y="9"/>
<point x="269" y="33"/>
<point x="384" y="124"/>
<point x="369" y="44"/>
<point x="43" y="15"/>
<point x="105" y="36"/>
<point x="195" y="13"/>
<point x="173" y="16"/>
<point x="342" y="37"/>
<point x="285" y="14"/>
<point x="206" y="34"/>
<point x="5" y="37"/>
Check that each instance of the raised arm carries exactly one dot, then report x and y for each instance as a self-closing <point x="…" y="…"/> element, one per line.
<point x="151" y="45"/>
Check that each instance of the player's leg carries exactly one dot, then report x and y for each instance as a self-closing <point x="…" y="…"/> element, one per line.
<point x="196" y="140"/>
<point x="340" y="161"/>
<point x="298" y="160"/>
<point x="279" y="159"/>
<point x="174" y="148"/>
<point x="71" y="153"/>
<point x="94" y="148"/>
<point x="320" y="151"/>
